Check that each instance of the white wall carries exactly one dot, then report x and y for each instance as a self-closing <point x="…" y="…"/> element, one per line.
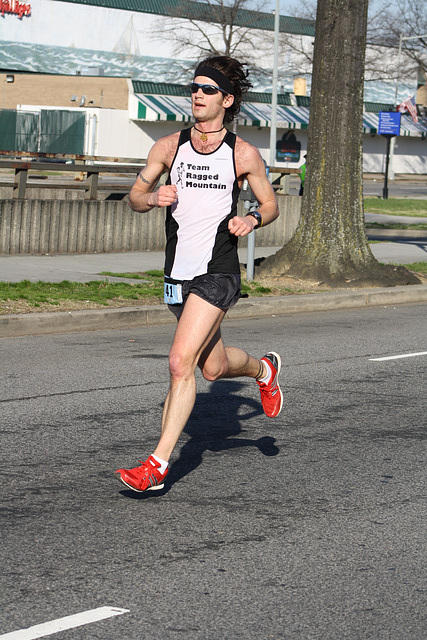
<point x="120" y="137"/>
<point x="409" y="156"/>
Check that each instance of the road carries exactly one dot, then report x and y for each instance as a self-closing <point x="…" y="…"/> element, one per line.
<point x="311" y="526"/>
<point x="396" y="188"/>
<point x="373" y="186"/>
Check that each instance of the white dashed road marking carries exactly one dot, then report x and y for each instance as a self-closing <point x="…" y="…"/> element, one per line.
<point x="404" y="355"/>
<point x="69" y="622"/>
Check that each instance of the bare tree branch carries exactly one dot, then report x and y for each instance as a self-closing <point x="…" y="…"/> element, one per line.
<point x="385" y="24"/>
<point x="220" y="36"/>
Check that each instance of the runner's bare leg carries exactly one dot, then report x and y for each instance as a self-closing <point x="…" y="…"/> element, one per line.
<point x="197" y="337"/>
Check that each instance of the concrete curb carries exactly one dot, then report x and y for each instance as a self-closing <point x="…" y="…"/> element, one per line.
<point x="133" y="317"/>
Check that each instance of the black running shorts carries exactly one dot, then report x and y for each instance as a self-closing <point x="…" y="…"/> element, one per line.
<point x="222" y="290"/>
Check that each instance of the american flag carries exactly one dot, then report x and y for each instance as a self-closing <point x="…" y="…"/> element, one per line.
<point x="409" y="105"/>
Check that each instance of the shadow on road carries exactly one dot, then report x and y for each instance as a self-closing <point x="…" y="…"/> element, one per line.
<point x="214" y="425"/>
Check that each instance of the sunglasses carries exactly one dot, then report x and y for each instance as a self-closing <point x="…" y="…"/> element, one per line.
<point x="208" y="89"/>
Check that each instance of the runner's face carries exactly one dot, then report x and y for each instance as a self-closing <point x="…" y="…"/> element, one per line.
<point x="209" y="108"/>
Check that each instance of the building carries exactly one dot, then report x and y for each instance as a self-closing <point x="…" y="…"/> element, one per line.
<point x="114" y="96"/>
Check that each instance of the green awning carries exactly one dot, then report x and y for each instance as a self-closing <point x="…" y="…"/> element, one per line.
<point x="153" y="108"/>
<point x="173" y="108"/>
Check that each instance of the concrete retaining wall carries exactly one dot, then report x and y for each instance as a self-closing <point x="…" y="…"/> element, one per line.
<point x="70" y="226"/>
<point x="74" y="192"/>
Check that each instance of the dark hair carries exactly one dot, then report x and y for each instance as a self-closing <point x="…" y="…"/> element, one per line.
<point x="238" y="76"/>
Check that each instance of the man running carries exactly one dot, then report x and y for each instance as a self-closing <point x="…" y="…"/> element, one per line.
<point x="202" y="272"/>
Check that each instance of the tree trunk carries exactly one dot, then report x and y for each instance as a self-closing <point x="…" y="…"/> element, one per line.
<point x="330" y="243"/>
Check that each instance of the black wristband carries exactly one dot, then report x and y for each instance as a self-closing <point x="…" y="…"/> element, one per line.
<point x="257" y="216"/>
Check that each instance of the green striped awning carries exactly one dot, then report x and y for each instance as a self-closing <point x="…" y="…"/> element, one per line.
<point x="154" y="108"/>
<point x="258" y="114"/>
<point x="170" y="108"/>
<point x="175" y="108"/>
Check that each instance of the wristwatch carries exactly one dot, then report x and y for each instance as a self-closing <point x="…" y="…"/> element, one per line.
<point x="257" y="216"/>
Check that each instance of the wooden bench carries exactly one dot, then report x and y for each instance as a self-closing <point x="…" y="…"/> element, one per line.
<point x="90" y="183"/>
<point x="282" y="182"/>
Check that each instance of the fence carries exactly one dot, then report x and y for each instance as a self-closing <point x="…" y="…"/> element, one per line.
<point x="45" y="131"/>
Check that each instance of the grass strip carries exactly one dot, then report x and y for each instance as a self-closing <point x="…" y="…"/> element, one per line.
<point x="418" y="267"/>
<point x="396" y="206"/>
<point x="145" y="275"/>
<point x="148" y="291"/>
<point x="100" y="292"/>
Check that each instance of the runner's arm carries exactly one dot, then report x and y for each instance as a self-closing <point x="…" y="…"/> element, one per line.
<point x="142" y="196"/>
<point x="250" y="158"/>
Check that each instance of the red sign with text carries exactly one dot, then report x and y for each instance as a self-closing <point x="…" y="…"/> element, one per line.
<point x="13" y="6"/>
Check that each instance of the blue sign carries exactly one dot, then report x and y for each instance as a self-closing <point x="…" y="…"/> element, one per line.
<point x="389" y="123"/>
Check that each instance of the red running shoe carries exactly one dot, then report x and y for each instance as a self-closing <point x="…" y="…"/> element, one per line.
<point x="271" y="395"/>
<point x="147" y="477"/>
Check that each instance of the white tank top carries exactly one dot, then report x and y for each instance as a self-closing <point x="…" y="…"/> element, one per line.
<point x="198" y="240"/>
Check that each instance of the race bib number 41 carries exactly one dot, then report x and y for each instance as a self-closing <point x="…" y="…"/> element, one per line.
<point x="173" y="293"/>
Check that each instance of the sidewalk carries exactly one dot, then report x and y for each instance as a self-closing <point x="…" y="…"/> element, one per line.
<point x="384" y="218"/>
<point x="85" y="267"/>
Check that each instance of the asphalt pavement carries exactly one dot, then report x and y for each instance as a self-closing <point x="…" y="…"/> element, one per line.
<point x="400" y="188"/>
<point x="309" y="526"/>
